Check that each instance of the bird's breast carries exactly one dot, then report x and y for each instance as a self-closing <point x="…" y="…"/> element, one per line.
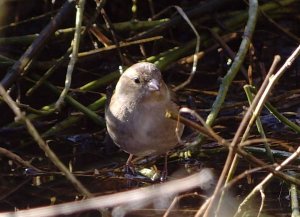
<point x="142" y="129"/>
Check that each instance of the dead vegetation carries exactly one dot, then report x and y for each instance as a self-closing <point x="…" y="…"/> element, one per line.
<point x="58" y="57"/>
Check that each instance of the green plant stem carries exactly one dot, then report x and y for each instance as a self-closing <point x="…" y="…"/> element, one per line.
<point x="90" y="114"/>
<point x="259" y="126"/>
<point x="278" y="115"/>
<point x="73" y="120"/>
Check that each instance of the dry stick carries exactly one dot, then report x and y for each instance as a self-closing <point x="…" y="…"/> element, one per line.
<point x="74" y="56"/>
<point x="249" y="112"/>
<point x="207" y="131"/>
<point x="266" y="180"/>
<point x="203" y="208"/>
<point x="225" y="39"/>
<point x="11" y="25"/>
<point x="177" y="199"/>
<point x="122" y="44"/>
<point x="19" y="67"/>
<point x="258" y="96"/>
<point x="112" y="32"/>
<point x="244" y="154"/>
<point x="258" y="162"/>
<point x="18" y="159"/>
<point x="272" y="82"/>
<point x="238" y="60"/>
<point x="244" y="174"/>
<point x="163" y="59"/>
<point x="294" y="201"/>
<point x="14" y="189"/>
<point x="278" y="26"/>
<point x="49" y="72"/>
<point x="172" y="205"/>
<point x="208" y="7"/>
<point x="263" y="197"/>
<point x="235" y="160"/>
<point x="249" y="29"/>
<point x="95" y="30"/>
<point x="250" y="123"/>
<point x="225" y="47"/>
<point x="143" y="195"/>
<point x="259" y="126"/>
<point x="240" y="176"/>
<point x="195" y="57"/>
<point x="33" y="132"/>
<point x="277" y="114"/>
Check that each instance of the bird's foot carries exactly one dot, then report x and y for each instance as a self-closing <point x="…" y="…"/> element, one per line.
<point x="130" y="169"/>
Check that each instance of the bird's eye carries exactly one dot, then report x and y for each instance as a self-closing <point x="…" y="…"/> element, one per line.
<point x="137" y="80"/>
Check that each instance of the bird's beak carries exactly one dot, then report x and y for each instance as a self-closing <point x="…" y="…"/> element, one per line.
<point x="153" y="85"/>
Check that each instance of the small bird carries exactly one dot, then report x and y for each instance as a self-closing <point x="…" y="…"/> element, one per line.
<point x="135" y="115"/>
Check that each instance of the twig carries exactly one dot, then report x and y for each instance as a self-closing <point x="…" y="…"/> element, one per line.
<point x="278" y="115"/>
<point x="247" y="117"/>
<point x="74" y="56"/>
<point x="260" y="127"/>
<point x="49" y="72"/>
<point x="27" y="20"/>
<point x="242" y="175"/>
<point x="209" y="7"/>
<point x="257" y="162"/>
<point x="18" y="68"/>
<point x="273" y="81"/>
<point x="226" y="48"/>
<point x="266" y="180"/>
<point x="280" y="28"/>
<point x="14" y="189"/>
<point x="141" y="195"/>
<point x="72" y="120"/>
<point x="249" y="29"/>
<point x="263" y="197"/>
<point x="91" y="114"/>
<point x="33" y="132"/>
<point x="235" y="67"/>
<point x="112" y="47"/>
<point x="177" y="199"/>
<point x="208" y="131"/>
<point x="112" y="32"/>
<point x="164" y="59"/>
<point x="138" y="25"/>
<point x="294" y="201"/>
<point x="18" y="159"/>
<point x="197" y="46"/>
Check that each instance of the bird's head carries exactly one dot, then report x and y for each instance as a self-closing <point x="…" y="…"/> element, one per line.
<point x="143" y="81"/>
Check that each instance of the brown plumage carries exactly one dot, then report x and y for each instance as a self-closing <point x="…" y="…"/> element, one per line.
<point x="135" y="115"/>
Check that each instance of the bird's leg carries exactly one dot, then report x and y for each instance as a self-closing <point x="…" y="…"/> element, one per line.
<point x="129" y="167"/>
<point x="164" y="173"/>
<point x="128" y="162"/>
